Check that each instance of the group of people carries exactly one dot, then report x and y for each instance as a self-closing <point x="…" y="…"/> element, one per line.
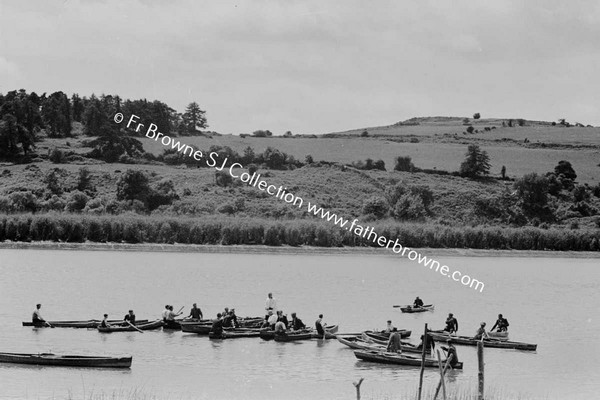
<point x="278" y="321"/>
<point x="501" y="325"/>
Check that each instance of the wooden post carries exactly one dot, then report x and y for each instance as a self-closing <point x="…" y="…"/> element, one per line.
<point x="439" y="386"/>
<point x="423" y="362"/>
<point x="481" y="374"/>
<point x="357" y="386"/>
<point x="441" y="374"/>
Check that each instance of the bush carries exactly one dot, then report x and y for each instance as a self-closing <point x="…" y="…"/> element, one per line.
<point x="476" y="116"/>
<point x="23" y="201"/>
<point x="404" y="164"/>
<point x="376" y="205"/>
<point x="470" y="129"/>
<point x="76" y="201"/>
<point x="54" y="203"/>
<point x="84" y="180"/>
<point x="364" y="133"/>
<point x="566" y="169"/>
<point x="133" y="185"/>
<point x="393" y="193"/>
<point x="163" y="194"/>
<point x="410" y="207"/>
<point x="223" y="178"/>
<point x="52" y="181"/>
<point x="580" y="193"/>
<point x="56" y="156"/>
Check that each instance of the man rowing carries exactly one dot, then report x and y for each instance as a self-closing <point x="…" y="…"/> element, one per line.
<point x="451" y="324"/>
<point x="165" y="313"/>
<point x="170" y="320"/>
<point x="129" y="317"/>
<point x="481" y="333"/>
<point x="195" y="313"/>
<point x="36" y="317"/>
<point x="501" y="323"/>
<point x="418" y="303"/>
<point x="394" y="345"/>
<point x="296" y="323"/>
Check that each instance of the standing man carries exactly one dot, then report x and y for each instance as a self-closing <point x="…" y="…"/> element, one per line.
<point x="394" y="345"/>
<point x="451" y="324"/>
<point x="130" y="317"/>
<point x="37" y="319"/>
<point x="320" y="325"/>
<point x="270" y="304"/>
<point x="195" y="313"/>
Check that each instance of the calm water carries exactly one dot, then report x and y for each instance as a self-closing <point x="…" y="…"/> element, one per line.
<point x="549" y="301"/>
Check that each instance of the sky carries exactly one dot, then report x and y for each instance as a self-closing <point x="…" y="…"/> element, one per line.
<point x="313" y="66"/>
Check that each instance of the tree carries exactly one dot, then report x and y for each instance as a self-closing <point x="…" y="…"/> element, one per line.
<point x="194" y="118"/>
<point x="364" y="133"/>
<point x="470" y="129"/>
<point x="503" y="172"/>
<point x="274" y="158"/>
<point x="566" y="169"/>
<point x="56" y="114"/>
<point x="248" y="156"/>
<point x="95" y="119"/>
<point x="404" y="164"/>
<point x="532" y="190"/>
<point x="133" y="185"/>
<point x="476" y="163"/>
<point x="476" y="116"/>
<point x="376" y="206"/>
<point x="76" y="108"/>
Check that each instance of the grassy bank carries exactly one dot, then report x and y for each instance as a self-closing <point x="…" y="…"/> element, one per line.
<point x="221" y="230"/>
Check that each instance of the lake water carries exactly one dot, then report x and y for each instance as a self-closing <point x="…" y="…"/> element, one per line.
<point x="550" y="301"/>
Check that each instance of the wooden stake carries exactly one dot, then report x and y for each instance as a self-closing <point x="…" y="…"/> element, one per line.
<point x="423" y="362"/>
<point x="441" y="374"/>
<point x="439" y="386"/>
<point x="357" y="386"/>
<point x="481" y="373"/>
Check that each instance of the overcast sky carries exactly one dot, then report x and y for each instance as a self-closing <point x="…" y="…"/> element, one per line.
<point x="314" y="66"/>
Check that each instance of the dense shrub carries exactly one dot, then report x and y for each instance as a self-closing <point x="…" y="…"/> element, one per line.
<point x="375" y="205"/>
<point x="23" y="201"/>
<point x="404" y="164"/>
<point x="56" y="156"/>
<point x="76" y="201"/>
<point x="133" y="185"/>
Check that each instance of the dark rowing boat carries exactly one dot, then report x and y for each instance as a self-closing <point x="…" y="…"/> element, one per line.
<point x="494" y="343"/>
<point x="358" y="343"/>
<point x="90" y="323"/>
<point x="292" y="337"/>
<point x="391" y="358"/>
<point x="142" y="327"/>
<point x="412" y="309"/>
<point x="268" y="334"/>
<point x="204" y="327"/>
<point x="66" y="360"/>
<point x="381" y="335"/>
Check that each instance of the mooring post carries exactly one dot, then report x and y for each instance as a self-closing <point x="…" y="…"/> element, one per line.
<point x="425" y="344"/>
<point x="481" y="374"/>
<point x="439" y="356"/>
<point x="357" y="386"/>
<point x="439" y="386"/>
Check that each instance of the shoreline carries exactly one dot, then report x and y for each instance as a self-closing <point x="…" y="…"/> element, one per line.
<point x="289" y="250"/>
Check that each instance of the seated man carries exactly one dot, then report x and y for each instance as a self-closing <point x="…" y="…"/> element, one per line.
<point x="234" y="321"/>
<point x="280" y="328"/>
<point x="104" y="323"/>
<point x="418" y="302"/>
<point x="296" y="323"/>
<point x="130" y="317"/>
<point x="282" y="318"/>
<point x="428" y="342"/>
<point x="481" y="333"/>
<point x="272" y="320"/>
<point x="389" y="328"/>
<point x="501" y="323"/>
<point x="37" y="319"/>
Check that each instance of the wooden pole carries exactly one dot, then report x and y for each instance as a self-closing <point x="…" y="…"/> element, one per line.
<point x="357" y="386"/>
<point x="439" y="386"/>
<point x="481" y="374"/>
<point x="423" y="354"/>
<point x="441" y="374"/>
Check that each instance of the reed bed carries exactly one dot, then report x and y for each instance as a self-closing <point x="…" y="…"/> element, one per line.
<point x="222" y="230"/>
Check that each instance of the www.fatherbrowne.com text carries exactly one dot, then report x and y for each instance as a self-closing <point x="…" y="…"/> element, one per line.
<point x="236" y="170"/>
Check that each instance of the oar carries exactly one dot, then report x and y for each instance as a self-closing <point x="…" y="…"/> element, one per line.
<point x="179" y="312"/>
<point x="48" y="323"/>
<point x="134" y="327"/>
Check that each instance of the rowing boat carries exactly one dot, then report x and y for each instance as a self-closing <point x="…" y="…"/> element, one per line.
<point x="412" y="309"/>
<point x="385" y="335"/>
<point x="268" y="334"/>
<point x="391" y="358"/>
<point x="494" y="343"/>
<point x="366" y="343"/>
<point x="141" y="327"/>
<point x="234" y="333"/>
<point x="292" y="337"/>
<point x="66" y="360"/>
<point x="498" y="335"/>
<point x="90" y="323"/>
<point x="204" y="327"/>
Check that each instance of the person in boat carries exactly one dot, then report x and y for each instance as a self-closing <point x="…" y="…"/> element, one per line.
<point x="282" y="318"/>
<point x="451" y="324"/>
<point x="104" y="323"/>
<point x="389" y="328"/>
<point x="320" y="325"/>
<point x="428" y="341"/>
<point x="233" y="317"/>
<point x="129" y="317"/>
<point x="170" y="321"/>
<point x="36" y="317"/>
<point x="217" y="326"/>
<point x="451" y="351"/>
<point x="280" y="328"/>
<point x="394" y="344"/>
<point x="481" y="333"/>
<point x="270" y="321"/>
<point x="165" y="313"/>
<point x="195" y="313"/>
<point x="296" y="323"/>
<point x="418" y="303"/>
<point x="270" y="304"/>
<point x="501" y="323"/>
